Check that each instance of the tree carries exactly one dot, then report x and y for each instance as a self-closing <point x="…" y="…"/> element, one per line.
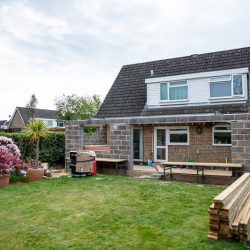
<point x="31" y="105"/>
<point x="74" y="107"/>
<point x="35" y="131"/>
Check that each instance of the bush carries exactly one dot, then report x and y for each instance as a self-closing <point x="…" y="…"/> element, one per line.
<point x="15" y="178"/>
<point x="52" y="150"/>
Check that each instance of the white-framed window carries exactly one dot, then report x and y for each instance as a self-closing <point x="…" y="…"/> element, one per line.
<point x="49" y="123"/>
<point x="222" y="135"/>
<point x="174" y="91"/>
<point x="167" y="136"/>
<point x="226" y="86"/>
<point x="179" y="136"/>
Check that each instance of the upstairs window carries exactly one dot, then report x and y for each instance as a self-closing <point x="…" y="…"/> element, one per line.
<point x="174" y="91"/>
<point x="222" y="135"/>
<point x="226" y="86"/>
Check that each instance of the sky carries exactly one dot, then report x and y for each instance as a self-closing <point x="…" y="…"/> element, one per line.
<point x="55" y="47"/>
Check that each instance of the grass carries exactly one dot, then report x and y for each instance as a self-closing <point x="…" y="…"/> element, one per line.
<point x="107" y="212"/>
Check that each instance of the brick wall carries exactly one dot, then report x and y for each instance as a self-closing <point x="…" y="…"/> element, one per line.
<point x="73" y="136"/>
<point x="200" y="148"/>
<point x="120" y="142"/>
<point x="148" y="143"/>
<point x="241" y="143"/>
<point x="100" y="138"/>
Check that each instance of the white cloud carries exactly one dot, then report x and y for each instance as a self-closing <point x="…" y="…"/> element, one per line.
<point x="60" y="46"/>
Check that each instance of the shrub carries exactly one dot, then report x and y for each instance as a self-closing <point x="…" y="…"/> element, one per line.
<point x="9" y="155"/>
<point x="52" y="150"/>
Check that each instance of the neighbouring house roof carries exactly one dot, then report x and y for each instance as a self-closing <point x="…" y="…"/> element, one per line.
<point x="22" y="115"/>
<point x="127" y="96"/>
<point x="2" y="122"/>
<point x="38" y="113"/>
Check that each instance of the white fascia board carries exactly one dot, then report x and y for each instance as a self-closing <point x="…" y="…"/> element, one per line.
<point x="197" y="75"/>
<point x="45" y="119"/>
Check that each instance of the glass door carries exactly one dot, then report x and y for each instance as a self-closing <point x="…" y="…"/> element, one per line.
<point x="138" y="143"/>
<point x="160" y="142"/>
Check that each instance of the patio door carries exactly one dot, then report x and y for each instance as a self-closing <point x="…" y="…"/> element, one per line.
<point x="138" y="143"/>
<point x="160" y="144"/>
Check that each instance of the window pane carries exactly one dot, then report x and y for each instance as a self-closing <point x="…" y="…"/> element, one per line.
<point x="161" y="137"/>
<point x="223" y="128"/>
<point x="220" y="78"/>
<point x="222" y="138"/>
<point x="178" y="129"/>
<point x="220" y="89"/>
<point x="178" y="83"/>
<point x="178" y="138"/>
<point x="178" y="93"/>
<point x="164" y="91"/>
<point x="237" y="84"/>
<point x="161" y="153"/>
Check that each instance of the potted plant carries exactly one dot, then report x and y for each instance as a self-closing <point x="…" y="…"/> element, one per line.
<point x="9" y="157"/>
<point x="35" y="131"/>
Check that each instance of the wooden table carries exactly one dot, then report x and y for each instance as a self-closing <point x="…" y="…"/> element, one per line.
<point x="199" y="166"/>
<point x="118" y="163"/>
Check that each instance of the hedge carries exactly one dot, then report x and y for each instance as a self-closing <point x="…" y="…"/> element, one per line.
<point x="52" y="150"/>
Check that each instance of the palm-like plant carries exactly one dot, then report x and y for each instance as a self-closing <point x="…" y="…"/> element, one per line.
<point x="35" y="131"/>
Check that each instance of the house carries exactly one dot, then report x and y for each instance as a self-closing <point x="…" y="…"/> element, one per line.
<point x="22" y="116"/>
<point x="3" y="124"/>
<point x="191" y="108"/>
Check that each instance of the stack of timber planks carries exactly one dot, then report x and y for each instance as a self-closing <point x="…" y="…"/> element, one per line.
<point x="229" y="215"/>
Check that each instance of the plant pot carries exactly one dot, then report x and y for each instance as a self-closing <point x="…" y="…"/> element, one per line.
<point x="35" y="174"/>
<point x="4" y="180"/>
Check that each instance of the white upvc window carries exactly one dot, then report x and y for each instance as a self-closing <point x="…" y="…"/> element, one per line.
<point x="226" y="86"/>
<point x="222" y="135"/>
<point x="174" y="91"/>
<point x="179" y="136"/>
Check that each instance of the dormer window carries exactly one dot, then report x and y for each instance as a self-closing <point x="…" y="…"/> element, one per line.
<point x="226" y="86"/>
<point x="174" y="91"/>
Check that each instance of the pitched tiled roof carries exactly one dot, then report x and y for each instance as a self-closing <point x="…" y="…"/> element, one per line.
<point x="127" y="96"/>
<point x="38" y="113"/>
<point x="2" y="122"/>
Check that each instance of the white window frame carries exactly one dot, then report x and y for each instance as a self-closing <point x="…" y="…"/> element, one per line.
<point x="231" y="80"/>
<point x="169" y="87"/>
<point x="223" y="131"/>
<point x="179" y="132"/>
<point x="167" y="139"/>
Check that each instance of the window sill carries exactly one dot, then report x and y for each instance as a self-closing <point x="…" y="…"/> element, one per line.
<point x="222" y="145"/>
<point x="178" y="144"/>
<point x="239" y="97"/>
<point x="173" y="101"/>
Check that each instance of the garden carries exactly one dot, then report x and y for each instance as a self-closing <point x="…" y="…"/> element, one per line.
<point x="22" y="154"/>
<point x="103" y="212"/>
<point x="107" y="212"/>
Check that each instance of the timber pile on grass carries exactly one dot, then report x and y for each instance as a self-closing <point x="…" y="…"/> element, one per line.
<point x="229" y="215"/>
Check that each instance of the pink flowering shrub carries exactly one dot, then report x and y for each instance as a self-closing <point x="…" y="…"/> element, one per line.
<point x="9" y="156"/>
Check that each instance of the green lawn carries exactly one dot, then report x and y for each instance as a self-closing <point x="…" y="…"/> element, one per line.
<point x="107" y="212"/>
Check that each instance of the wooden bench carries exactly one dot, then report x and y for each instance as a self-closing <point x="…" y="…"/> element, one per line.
<point x="199" y="167"/>
<point x="117" y="163"/>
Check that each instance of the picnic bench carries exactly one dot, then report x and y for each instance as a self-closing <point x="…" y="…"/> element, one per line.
<point x="199" y="167"/>
<point x="117" y="163"/>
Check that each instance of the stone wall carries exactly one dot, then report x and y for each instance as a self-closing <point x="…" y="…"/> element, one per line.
<point x="241" y="143"/>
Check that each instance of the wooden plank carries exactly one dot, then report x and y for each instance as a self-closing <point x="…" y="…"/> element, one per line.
<point x="111" y="160"/>
<point x="204" y="164"/>
<point x="226" y="195"/>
